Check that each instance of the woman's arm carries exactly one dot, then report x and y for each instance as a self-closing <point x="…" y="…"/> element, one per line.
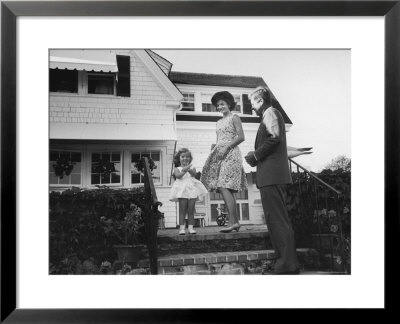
<point x="239" y="130"/>
<point x="237" y="140"/>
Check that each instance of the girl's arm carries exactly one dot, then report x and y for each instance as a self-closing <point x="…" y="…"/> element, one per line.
<point x="179" y="174"/>
<point x="192" y="172"/>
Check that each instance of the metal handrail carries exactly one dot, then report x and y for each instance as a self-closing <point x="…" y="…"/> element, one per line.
<point x="316" y="178"/>
<point x="338" y="195"/>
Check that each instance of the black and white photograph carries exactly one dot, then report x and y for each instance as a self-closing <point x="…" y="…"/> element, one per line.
<point x="163" y="157"/>
<point x="199" y="161"/>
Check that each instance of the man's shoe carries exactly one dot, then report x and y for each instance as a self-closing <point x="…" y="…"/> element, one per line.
<point x="294" y="272"/>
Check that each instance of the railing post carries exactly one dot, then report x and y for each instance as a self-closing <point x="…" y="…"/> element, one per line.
<point x="340" y="236"/>
<point x="151" y="217"/>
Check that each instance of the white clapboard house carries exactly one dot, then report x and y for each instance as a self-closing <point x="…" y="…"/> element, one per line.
<point x="115" y="106"/>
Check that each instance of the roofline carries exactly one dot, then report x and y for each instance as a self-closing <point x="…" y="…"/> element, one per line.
<point x="227" y="75"/>
<point x="159" y="75"/>
<point x="160" y="57"/>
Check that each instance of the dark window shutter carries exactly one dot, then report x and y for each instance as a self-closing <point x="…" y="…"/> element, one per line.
<point x="63" y="80"/>
<point x="124" y="76"/>
<point x="246" y="105"/>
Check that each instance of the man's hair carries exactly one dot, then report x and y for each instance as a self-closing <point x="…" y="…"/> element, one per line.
<point x="261" y="93"/>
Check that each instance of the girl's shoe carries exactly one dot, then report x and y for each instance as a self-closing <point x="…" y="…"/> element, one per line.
<point x="182" y="230"/>
<point x="191" y="230"/>
<point x="234" y="227"/>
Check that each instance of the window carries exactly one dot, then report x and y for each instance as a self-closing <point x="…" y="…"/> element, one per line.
<point x="65" y="168"/>
<point x="241" y="195"/>
<point x="242" y="206"/>
<point x="188" y="101"/>
<point x="206" y="104"/>
<point x="246" y="105"/>
<point x="242" y="211"/>
<point x="63" y="81"/>
<point x="105" y="168"/>
<point x="124" y="76"/>
<point x="238" y="103"/>
<point x="136" y="176"/>
<point x="101" y="83"/>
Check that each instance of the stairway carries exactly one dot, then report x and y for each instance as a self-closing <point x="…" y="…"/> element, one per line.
<point x="210" y="252"/>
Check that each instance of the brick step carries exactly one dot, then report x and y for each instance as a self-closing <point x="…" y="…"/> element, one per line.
<point x="239" y="262"/>
<point x="210" y="240"/>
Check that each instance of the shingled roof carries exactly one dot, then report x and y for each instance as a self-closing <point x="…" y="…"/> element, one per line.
<point x="216" y="79"/>
<point x="224" y="80"/>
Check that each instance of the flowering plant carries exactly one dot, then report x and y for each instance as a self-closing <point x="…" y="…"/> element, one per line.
<point x="127" y="230"/>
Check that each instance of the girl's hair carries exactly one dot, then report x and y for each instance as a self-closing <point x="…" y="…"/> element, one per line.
<point x="177" y="156"/>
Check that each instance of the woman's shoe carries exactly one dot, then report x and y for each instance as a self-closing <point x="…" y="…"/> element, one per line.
<point x="229" y="229"/>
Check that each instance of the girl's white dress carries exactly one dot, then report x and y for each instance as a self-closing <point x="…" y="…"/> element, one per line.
<point x="186" y="187"/>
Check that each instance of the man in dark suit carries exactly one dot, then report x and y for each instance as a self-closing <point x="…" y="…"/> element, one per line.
<point x="270" y="157"/>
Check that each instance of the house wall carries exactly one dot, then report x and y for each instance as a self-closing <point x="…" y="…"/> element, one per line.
<point x="198" y="138"/>
<point x="147" y="104"/>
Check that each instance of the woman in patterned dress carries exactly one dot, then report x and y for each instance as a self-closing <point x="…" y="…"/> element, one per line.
<point x="223" y="170"/>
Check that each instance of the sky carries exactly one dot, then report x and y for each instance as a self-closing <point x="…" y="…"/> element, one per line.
<point x="312" y="86"/>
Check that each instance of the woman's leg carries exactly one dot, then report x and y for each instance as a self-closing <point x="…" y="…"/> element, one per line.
<point x="191" y="204"/>
<point x="230" y="203"/>
<point x="183" y="209"/>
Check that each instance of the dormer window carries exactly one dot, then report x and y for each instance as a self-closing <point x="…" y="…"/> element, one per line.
<point x="101" y="83"/>
<point x="63" y="81"/>
<point x="98" y="72"/>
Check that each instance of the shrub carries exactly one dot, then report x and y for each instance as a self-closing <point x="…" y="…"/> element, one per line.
<point x="79" y="242"/>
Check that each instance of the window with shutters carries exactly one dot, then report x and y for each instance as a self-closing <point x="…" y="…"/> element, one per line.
<point x="124" y="76"/>
<point x="91" y="82"/>
<point x="101" y="83"/>
<point x="63" y="81"/>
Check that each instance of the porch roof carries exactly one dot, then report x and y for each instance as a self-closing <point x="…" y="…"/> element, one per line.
<point x="89" y="60"/>
<point x="137" y="132"/>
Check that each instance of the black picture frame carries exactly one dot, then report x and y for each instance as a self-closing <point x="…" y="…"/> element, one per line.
<point x="10" y="10"/>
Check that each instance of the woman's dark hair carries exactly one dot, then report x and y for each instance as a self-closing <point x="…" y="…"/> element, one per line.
<point x="225" y="96"/>
<point x="177" y="156"/>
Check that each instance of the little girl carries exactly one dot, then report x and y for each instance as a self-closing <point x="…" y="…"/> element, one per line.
<point x="186" y="189"/>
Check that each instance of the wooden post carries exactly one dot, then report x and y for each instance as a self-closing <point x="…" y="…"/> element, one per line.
<point x="151" y="220"/>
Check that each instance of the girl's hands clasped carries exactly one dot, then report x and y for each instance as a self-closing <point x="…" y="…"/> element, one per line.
<point x="186" y="168"/>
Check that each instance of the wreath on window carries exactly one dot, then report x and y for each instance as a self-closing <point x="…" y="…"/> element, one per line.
<point x="104" y="167"/>
<point x="140" y="165"/>
<point x="63" y="166"/>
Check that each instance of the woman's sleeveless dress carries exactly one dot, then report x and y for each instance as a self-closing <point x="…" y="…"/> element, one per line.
<point x="186" y="187"/>
<point x="227" y="173"/>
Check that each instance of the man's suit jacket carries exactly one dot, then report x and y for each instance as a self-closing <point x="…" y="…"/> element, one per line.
<point x="271" y="150"/>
